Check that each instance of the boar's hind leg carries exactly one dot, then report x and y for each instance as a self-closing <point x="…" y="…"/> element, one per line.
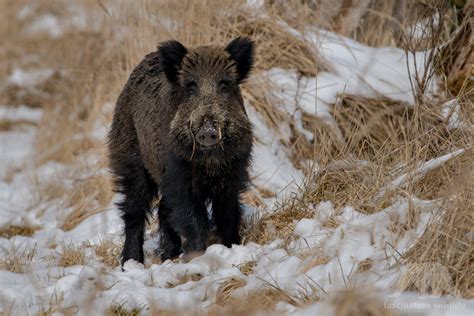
<point x="226" y="213"/>
<point x="139" y="190"/>
<point x="170" y="242"/>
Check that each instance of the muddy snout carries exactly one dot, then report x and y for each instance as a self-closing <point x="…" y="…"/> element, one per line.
<point x="208" y="135"/>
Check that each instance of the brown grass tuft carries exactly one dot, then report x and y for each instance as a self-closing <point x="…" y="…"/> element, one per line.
<point x="17" y="261"/>
<point x="358" y="302"/>
<point x="188" y="277"/>
<point x="247" y="267"/>
<point x="443" y="180"/>
<point x="327" y="145"/>
<point x="120" y="310"/>
<point x="350" y="183"/>
<point x="370" y="125"/>
<point x="224" y="292"/>
<point x="16" y="230"/>
<point x="108" y="252"/>
<point x="89" y="196"/>
<point x="277" y="47"/>
<point x="313" y="262"/>
<point x="364" y="265"/>
<point x="262" y="300"/>
<point x="280" y="224"/>
<point x="71" y="255"/>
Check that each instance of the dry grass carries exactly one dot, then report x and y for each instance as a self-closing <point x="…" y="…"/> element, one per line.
<point x="71" y="255"/>
<point x="8" y="125"/>
<point x="312" y="262"/>
<point x="359" y="302"/>
<point x="188" y="277"/>
<point x="247" y="267"/>
<point x="362" y="154"/>
<point x="278" y="225"/>
<point x="441" y="262"/>
<point x="17" y="261"/>
<point x="224" y="292"/>
<point x="443" y="181"/>
<point x="277" y="47"/>
<point x="108" y="253"/>
<point x="376" y="23"/>
<point x="262" y="300"/>
<point x="16" y="230"/>
<point x="120" y="310"/>
<point x="89" y="196"/>
<point x="350" y="183"/>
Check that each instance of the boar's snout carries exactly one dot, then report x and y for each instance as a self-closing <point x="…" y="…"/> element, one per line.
<point x="207" y="135"/>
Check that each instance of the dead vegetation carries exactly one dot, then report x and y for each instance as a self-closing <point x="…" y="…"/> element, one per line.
<point x="16" y="230"/>
<point x="108" y="253"/>
<point x="277" y="47"/>
<point x="278" y="225"/>
<point x="188" y="277"/>
<point x="17" y="260"/>
<point x="71" y="255"/>
<point x="441" y="262"/>
<point x="359" y="302"/>
<point x="120" y="310"/>
<point x="90" y="196"/>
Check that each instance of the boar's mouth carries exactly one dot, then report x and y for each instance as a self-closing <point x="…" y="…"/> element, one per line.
<point x="208" y="148"/>
<point x="205" y="149"/>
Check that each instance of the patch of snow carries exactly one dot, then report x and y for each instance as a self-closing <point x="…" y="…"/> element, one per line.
<point x="20" y="113"/>
<point x="47" y="23"/>
<point x="451" y="111"/>
<point x="271" y="167"/>
<point x="29" y="78"/>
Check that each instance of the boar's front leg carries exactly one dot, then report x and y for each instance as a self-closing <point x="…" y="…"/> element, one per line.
<point x="189" y="219"/>
<point x="170" y="241"/>
<point x="227" y="213"/>
<point x="187" y="211"/>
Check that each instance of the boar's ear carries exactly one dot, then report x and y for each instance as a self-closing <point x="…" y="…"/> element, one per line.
<point x="171" y="54"/>
<point x="241" y="50"/>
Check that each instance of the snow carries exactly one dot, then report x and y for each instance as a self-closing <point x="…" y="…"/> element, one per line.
<point x="74" y="18"/>
<point x="356" y="69"/>
<point x="271" y="167"/>
<point x="20" y="113"/>
<point x="451" y="112"/>
<point x="25" y="78"/>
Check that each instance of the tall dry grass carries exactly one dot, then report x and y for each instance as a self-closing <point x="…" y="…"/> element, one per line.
<point x="91" y="65"/>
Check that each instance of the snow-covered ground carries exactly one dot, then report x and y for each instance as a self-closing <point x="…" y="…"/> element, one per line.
<point x="363" y="250"/>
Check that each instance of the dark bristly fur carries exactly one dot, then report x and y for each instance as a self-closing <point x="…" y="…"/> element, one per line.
<point x="153" y="149"/>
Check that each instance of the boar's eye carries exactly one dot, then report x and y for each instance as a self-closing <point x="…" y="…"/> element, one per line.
<point x="224" y="85"/>
<point x="191" y="86"/>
